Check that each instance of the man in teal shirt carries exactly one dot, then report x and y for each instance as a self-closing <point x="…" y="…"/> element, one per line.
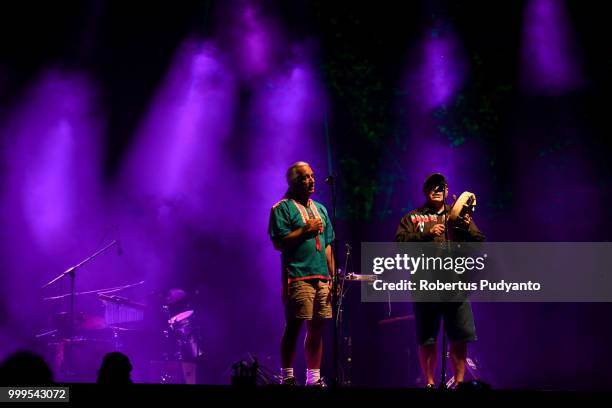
<point x="300" y="228"/>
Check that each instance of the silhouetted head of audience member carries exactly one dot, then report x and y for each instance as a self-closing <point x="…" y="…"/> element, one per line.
<point x="25" y="369"/>
<point x="116" y="369"/>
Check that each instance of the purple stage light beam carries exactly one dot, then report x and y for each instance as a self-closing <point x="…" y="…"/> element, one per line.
<point x="550" y="60"/>
<point x="188" y="122"/>
<point x="254" y="38"/>
<point x="431" y="86"/>
<point x="53" y="159"/>
<point x="255" y="47"/>
<point x="51" y="190"/>
<point x="442" y="69"/>
<point x="171" y="192"/>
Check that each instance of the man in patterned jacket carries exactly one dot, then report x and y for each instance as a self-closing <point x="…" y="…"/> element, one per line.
<point x="427" y="224"/>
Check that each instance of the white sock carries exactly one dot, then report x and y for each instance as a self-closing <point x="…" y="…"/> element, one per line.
<point x="312" y="375"/>
<point x="287" y="372"/>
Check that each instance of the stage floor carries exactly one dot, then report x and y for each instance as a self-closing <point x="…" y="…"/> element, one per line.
<point x="161" y="393"/>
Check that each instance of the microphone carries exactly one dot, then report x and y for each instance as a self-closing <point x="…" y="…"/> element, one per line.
<point x="330" y="179"/>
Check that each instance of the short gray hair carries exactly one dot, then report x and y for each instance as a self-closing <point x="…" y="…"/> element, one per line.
<point x="292" y="171"/>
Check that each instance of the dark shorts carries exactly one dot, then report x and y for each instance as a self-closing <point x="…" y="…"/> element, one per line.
<point x="458" y="321"/>
<point x="308" y="299"/>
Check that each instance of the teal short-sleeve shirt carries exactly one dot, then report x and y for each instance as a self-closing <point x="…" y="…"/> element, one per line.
<point x="302" y="261"/>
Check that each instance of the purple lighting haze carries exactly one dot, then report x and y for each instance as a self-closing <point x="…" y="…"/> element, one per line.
<point x="46" y="191"/>
<point x="441" y="71"/>
<point x="254" y="48"/>
<point x="53" y="162"/>
<point x="550" y="59"/>
<point x="252" y="37"/>
<point x="51" y="189"/>
<point x="172" y="175"/>
<point x="186" y="126"/>
<point x="437" y="73"/>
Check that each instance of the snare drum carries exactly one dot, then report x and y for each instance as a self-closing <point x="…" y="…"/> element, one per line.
<point x="182" y="323"/>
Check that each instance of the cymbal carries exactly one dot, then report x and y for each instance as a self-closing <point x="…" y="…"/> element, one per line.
<point x="173" y="296"/>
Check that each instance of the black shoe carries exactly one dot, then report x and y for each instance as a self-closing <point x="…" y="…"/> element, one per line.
<point x="319" y="384"/>
<point x="290" y="381"/>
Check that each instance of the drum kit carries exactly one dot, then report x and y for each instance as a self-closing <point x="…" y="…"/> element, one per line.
<point x="163" y="330"/>
<point x="182" y="334"/>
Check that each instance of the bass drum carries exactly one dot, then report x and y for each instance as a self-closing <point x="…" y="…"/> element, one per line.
<point x="186" y="333"/>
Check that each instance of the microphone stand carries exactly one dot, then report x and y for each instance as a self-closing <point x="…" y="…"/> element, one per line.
<point x="331" y="182"/>
<point x="344" y="376"/>
<point x="71" y="273"/>
<point x="442" y="385"/>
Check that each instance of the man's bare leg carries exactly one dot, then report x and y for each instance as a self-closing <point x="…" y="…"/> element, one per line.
<point x="458" y="354"/>
<point x="289" y="343"/>
<point x="313" y="343"/>
<point x="427" y="358"/>
<point x="313" y="349"/>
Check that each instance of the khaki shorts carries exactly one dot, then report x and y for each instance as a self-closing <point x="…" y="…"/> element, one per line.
<point x="308" y="299"/>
